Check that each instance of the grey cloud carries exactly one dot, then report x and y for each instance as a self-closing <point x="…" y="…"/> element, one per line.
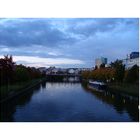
<point x="32" y="32"/>
<point x="75" y="38"/>
<point x="91" y="27"/>
<point x="26" y="32"/>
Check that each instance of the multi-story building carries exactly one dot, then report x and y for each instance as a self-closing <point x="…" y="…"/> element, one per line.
<point x="100" y="61"/>
<point x="134" y="55"/>
<point x="131" y="60"/>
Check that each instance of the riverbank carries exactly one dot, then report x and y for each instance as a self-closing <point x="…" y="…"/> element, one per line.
<point x="129" y="89"/>
<point x="124" y="88"/>
<point x="11" y="91"/>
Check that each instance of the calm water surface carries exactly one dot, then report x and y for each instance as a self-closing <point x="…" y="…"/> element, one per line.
<point x="69" y="102"/>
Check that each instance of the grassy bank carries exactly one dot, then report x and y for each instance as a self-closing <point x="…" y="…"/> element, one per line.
<point x="129" y="89"/>
<point x="124" y="88"/>
<point x="10" y="90"/>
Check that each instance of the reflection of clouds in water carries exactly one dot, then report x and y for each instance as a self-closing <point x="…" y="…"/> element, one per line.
<point x="69" y="102"/>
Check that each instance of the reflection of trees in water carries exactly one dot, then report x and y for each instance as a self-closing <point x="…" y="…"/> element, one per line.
<point x="133" y="111"/>
<point x="9" y="108"/>
<point x="43" y="84"/>
<point x="6" y="112"/>
<point x="120" y="103"/>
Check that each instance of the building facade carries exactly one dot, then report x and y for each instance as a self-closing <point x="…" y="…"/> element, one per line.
<point x="131" y="60"/>
<point x="100" y="61"/>
<point x="134" y="55"/>
<point x="129" y="63"/>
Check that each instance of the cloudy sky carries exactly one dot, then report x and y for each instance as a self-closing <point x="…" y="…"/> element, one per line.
<point x="68" y="42"/>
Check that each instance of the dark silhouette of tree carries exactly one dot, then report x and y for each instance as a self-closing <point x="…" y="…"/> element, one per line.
<point x="119" y="70"/>
<point x="132" y="75"/>
<point x="10" y="72"/>
<point x="7" y="67"/>
<point x="102" y="65"/>
<point x="22" y="73"/>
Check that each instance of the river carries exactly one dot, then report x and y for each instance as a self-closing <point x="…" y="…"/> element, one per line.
<point x="69" y="102"/>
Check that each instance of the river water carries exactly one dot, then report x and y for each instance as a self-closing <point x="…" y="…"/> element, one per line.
<point x="69" y="102"/>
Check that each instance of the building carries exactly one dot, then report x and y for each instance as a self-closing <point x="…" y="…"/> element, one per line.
<point x="134" y="55"/>
<point x="107" y="65"/>
<point x="52" y="70"/>
<point x="131" y="60"/>
<point x="42" y="69"/>
<point x="86" y="69"/>
<point x="100" y="61"/>
<point x="71" y="71"/>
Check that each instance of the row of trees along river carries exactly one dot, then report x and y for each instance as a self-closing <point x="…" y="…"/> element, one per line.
<point x="119" y="79"/>
<point x="14" y="77"/>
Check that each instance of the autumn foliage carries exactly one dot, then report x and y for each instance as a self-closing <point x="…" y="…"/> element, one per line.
<point x="104" y="74"/>
<point x="11" y="73"/>
<point x="115" y="73"/>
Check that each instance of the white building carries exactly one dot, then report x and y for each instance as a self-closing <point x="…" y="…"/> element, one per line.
<point x="129" y="63"/>
<point x="71" y="71"/>
<point x="107" y="65"/>
<point x="131" y="60"/>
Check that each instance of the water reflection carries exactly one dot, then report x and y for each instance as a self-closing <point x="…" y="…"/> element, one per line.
<point x="9" y="108"/>
<point x="69" y="101"/>
<point x="74" y="79"/>
<point x="120" y="103"/>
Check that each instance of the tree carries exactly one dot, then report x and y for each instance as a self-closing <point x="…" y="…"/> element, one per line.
<point x="102" y="65"/>
<point x="7" y="67"/>
<point x="132" y="75"/>
<point x="106" y="74"/>
<point x="119" y="70"/>
<point x="86" y="74"/>
<point x="10" y="72"/>
<point x="22" y="73"/>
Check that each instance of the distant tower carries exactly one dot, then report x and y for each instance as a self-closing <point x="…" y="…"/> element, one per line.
<point x="100" y="61"/>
